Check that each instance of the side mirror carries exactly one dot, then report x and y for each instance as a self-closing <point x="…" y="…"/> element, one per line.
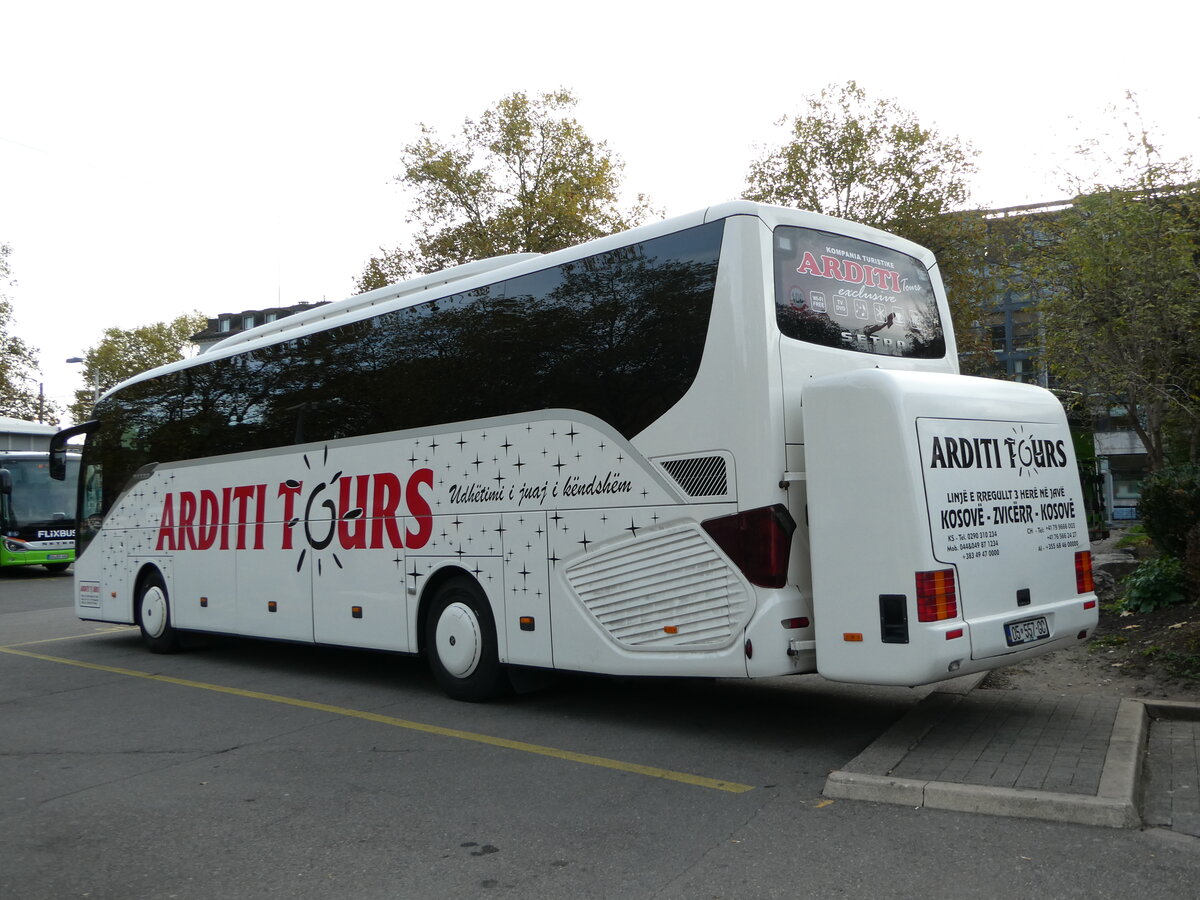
<point x="5" y="482"/>
<point x="58" y="449"/>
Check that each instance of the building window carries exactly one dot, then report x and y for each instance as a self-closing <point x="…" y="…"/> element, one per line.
<point x="247" y="322"/>
<point x="226" y="325"/>
<point x="999" y="341"/>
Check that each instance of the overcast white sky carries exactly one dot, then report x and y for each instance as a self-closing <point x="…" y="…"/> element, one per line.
<point x="164" y="157"/>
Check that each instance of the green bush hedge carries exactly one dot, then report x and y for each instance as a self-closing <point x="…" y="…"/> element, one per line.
<point x="1154" y="584"/>
<point x="1170" y="507"/>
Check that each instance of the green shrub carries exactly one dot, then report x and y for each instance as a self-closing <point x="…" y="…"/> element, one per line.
<point x="1191" y="560"/>
<point x="1154" y="584"/>
<point x="1170" y="507"/>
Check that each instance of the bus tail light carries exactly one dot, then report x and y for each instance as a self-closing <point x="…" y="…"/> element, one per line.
<point x="936" y="597"/>
<point x="1084" y="583"/>
<point x="758" y="541"/>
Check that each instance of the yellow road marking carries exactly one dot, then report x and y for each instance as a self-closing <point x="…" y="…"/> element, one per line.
<point x="584" y="758"/>
<point x="72" y="637"/>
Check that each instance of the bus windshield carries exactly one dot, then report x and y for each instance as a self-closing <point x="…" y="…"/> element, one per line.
<point x="37" y="498"/>
<point x="838" y="291"/>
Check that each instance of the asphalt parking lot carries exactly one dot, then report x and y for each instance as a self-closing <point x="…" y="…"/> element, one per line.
<point x="249" y="769"/>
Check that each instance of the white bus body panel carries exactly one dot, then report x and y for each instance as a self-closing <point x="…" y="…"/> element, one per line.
<point x="888" y="497"/>
<point x="560" y="520"/>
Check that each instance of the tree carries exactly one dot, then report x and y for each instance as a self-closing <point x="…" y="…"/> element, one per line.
<point x="1119" y="277"/>
<point x="872" y="161"/>
<point x="122" y="353"/>
<point x="18" y="362"/>
<point x="523" y="177"/>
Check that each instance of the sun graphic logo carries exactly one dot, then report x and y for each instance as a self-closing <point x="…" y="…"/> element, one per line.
<point x="321" y="516"/>
<point x="1029" y="454"/>
<point x="354" y="512"/>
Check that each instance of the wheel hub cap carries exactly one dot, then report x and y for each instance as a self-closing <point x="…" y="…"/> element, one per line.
<point x="459" y="640"/>
<point x="154" y="612"/>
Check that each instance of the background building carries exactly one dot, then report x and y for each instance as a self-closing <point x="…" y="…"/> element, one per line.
<point x="17" y="434"/>
<point x="1014" y="326"/>
<point x="227" y="324"/>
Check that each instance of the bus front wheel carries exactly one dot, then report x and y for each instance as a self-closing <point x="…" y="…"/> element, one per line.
<point x="154" y="616"/>
<point x="460" y="638"/>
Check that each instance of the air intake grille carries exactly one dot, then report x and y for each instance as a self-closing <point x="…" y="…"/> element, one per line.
<point x="671" y="589"/>
<point x="699" y="476"/>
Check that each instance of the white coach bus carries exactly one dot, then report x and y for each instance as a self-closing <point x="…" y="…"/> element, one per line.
<point x="732" y="444"/>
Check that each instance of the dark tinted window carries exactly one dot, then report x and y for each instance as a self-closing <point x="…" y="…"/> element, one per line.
<point x="840" y="292"/>
<point x="618" y="335"/>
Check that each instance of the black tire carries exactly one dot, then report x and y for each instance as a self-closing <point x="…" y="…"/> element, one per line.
<point x="57" y="567"/>
<point x="460" y="639"/>
<point x="153" y="612"/>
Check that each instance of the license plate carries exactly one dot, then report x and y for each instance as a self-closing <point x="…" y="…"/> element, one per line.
<point x="58" y="556"/>
<point x="1027" y="631"/>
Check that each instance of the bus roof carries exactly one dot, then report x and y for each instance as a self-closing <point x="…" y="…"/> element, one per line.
<point x="488" y="271"/>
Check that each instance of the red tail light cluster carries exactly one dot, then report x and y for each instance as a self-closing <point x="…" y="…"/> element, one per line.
<point x="758" y="541"/>
<point x="936" y="596"/>
<point x="1084" y="583"/>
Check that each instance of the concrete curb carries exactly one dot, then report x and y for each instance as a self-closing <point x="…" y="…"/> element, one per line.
<point x="1115" y="806"/>
<point x="1173" y="709"/>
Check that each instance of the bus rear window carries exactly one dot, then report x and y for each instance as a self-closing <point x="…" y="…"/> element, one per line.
<point x="841" y="292"/>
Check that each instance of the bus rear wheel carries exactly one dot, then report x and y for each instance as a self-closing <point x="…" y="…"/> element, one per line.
<point x="460" y="638"/>
<point x="154" y="615"/>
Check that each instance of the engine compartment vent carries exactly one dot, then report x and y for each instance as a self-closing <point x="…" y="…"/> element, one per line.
<point x="699" y="476"/>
